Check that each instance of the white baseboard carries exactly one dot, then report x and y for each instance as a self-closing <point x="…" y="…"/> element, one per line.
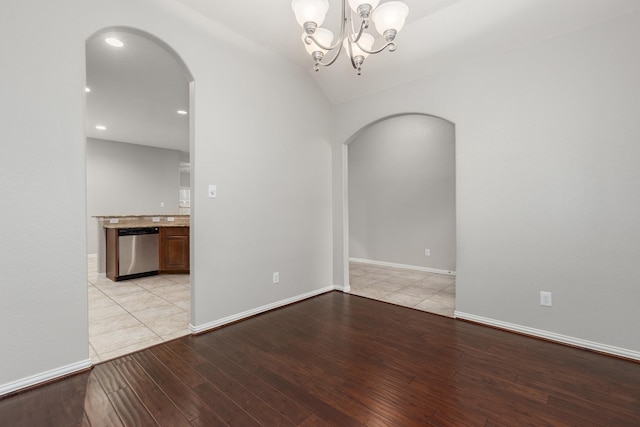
<point x="342" y="288"/>
<point x="44" y="377"/>
<point x="405" y="266"/>
<point x="235" y="317"/>
<point x="551" y="336"/>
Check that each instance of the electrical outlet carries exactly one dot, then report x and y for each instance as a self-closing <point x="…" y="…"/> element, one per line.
<point x="162" y="204"/>
<point x="427" y="252"/>
<point x="545" y="298"/>
<point x="276" y="277"/>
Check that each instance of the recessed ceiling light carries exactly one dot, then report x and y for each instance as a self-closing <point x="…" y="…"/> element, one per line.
<point x="112" y="41"/>
<point x="87" y="89"/>
<point x="101" y="127"/>
<point x="181" y="112"/>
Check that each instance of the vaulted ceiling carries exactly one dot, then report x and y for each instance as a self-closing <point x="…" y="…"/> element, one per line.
<point x="138" y="92"/>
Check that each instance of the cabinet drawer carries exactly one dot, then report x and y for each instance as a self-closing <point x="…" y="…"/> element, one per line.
<point x="175" y="231"/>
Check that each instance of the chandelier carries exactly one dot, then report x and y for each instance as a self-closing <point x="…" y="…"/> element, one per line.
<point x="389" y="18"/>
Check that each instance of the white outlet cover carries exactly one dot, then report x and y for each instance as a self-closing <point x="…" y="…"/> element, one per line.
<point x="545" y="299"/>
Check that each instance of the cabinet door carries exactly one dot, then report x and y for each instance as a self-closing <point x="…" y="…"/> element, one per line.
<point x="174" y="249"/>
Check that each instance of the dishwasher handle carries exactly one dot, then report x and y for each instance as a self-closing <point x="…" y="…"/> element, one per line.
<point x="137" y="231"/>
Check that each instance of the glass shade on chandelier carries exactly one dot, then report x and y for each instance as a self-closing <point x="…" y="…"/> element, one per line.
<point x="310" y="11"/>
<point x="388" y="17"/>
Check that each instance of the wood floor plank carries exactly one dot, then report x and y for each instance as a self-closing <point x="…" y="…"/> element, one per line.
<point x="26" y="409"/>
<point x="189" y="376"/>
<point x="159" y="406"/>
<point x="181" y="395"/>
<point x="109" y="377"/>
<point x="315" y="404"/>
<point x="224" y="407"/>
<point x="130" y="409"/>
<point x="283" y="404"/>
<point x="208" y="419"/>
<point x="97" y="406"/>
<point x="65" y="404"/>
<point x="242" y="397"/>
<point x="251" y="356"/>
<point x="581" y="408"/>
<point x="279" y="377"/>
<point x="342" y="360"/>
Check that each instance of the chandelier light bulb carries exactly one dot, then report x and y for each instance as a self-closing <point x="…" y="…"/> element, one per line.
<point x="390" y="16"/>
<point x="310" y="11"/>
<point x="323" y="36"/>
<point x="366" y="41"/>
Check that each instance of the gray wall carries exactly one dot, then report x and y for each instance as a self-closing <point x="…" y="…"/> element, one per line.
<point x="548" y="180"/>
<point x="273" y="209"/>
<point x="547" y="177"/>
<point x="129" y="179"/>
<point x="402" y="192"/>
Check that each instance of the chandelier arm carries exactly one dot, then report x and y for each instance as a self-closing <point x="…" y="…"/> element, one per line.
<point x="363" y="26"/>
<point x="390" y="45"/>
<point x="350" y="54"/>
<point x="311" y="37"/>
<point x="334" y="59"/>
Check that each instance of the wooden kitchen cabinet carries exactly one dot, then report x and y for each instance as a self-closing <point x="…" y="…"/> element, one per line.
<point x="174" y="250"/>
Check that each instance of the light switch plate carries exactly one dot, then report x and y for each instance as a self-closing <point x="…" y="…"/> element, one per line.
<point x="213" y="191"/>
<point x="545" y="299"/>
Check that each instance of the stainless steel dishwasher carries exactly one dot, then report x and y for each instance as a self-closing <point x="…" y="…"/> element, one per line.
<point x="137" y="252"/>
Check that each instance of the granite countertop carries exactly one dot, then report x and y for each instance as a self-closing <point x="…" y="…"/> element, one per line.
<point x="134" y="221"/>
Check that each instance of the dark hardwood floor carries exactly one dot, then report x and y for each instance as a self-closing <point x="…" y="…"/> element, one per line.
<point x="343" y="360"/>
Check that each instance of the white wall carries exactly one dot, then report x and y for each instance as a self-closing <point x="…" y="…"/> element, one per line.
<point x="548" y="181"/>
<point x="129" y="179"/>
<point x="402" y="192"/>
<point x="266" y="152"/>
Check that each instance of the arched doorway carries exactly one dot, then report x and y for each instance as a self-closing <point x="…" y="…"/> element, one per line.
<point x="139" y="124"/>
<point x="400" y="212"/>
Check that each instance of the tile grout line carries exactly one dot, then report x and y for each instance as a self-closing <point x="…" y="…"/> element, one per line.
<point x="172" y="333"/>
<point x="383" y="274"/>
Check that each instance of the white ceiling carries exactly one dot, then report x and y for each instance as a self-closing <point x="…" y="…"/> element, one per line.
<point x="439" y="34"/>
<point x="136" y="91"/>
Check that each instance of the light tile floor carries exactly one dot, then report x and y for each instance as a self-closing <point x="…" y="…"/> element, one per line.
<point x="130" y="315"/>
<point x="432" y="292"/>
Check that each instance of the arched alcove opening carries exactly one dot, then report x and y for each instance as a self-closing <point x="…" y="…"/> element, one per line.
<point x="139" y="127"/>
<point x="400" y="234"/>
